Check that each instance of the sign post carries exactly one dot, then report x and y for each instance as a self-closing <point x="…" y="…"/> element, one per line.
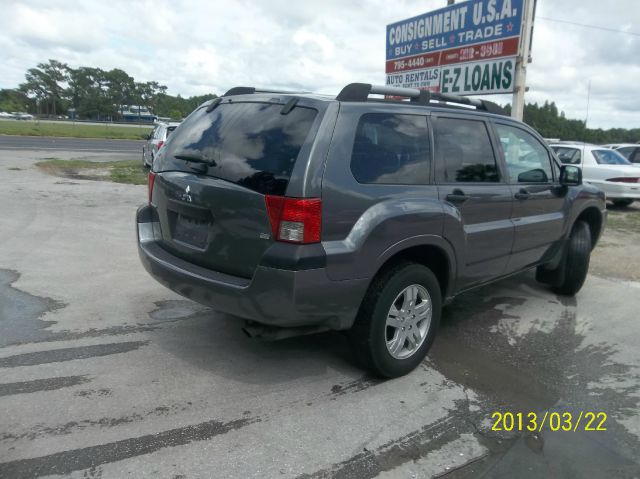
<point x="517" y="103"/>
<point x="465" y="48"/>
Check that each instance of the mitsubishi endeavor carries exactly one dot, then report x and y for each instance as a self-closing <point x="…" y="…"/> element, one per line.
<point x="303" y="213"/>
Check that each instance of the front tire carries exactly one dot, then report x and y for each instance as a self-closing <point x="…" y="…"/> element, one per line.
<point x="398" y="320"/>
<point x="567" y="279"/>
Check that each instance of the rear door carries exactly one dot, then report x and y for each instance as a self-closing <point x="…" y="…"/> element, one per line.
<point x="472" y="187"/>
<point x="213" y="177"/>
<point x="538" y="213"/>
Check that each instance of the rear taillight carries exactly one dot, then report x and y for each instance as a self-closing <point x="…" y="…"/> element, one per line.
<point x="160" y="143"/>
<point x="295" y="220"/>
<point x="624" y="179"/>
<point x="151" y="179"/>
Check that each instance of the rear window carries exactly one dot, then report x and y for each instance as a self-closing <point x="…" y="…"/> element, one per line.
<point x="250" y="144"/>
<point x="464" y="152"/>
<point x="568" y="156"/>
<point x="609" y="157"/>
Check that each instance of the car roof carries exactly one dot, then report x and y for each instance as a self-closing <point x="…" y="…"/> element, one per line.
<point x="325" y="98"/>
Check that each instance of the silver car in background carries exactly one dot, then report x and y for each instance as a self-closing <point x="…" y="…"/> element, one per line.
<point x="155" y="140"/>
<point x="604" y="168"/>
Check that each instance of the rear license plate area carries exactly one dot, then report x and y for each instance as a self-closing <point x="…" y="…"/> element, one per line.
<point x="191" y="231"/>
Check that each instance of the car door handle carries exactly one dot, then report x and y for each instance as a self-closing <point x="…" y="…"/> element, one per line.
<point x="457" y="196"/>
<point x="522" y="195"/>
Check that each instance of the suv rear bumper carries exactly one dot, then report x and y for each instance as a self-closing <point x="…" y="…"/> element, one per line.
<point x="275" y="297"/>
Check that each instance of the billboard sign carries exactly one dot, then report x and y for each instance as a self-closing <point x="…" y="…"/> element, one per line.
<point x="465" y="48"/>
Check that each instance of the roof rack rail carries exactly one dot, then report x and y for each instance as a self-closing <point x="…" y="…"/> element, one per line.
<point x="250" y="90"/>
<point x="361" y="92"/>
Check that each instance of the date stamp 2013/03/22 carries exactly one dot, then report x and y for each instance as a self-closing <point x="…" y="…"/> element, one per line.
<point x="555" y="421"/>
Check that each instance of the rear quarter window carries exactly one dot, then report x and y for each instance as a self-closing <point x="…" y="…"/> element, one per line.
<point x="609" y="157"/>
<point x="391" y="149"/>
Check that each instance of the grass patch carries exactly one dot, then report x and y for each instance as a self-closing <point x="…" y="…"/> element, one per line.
<point x="628" y="221"/>
<point x="77" y="130"/>
<point x="128" y="172"/>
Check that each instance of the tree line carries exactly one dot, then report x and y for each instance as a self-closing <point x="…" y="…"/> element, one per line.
<point x="51" y="88"/>
<point x="551" y="123"/>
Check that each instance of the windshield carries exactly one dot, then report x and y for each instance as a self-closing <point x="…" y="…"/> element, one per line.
<point x="609" y="157"/>
<point x="250" y="144"/>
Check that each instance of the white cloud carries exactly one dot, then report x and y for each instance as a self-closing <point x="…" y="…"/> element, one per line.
<point x="196" y="47"/>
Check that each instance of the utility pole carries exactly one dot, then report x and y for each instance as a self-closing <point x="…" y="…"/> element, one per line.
<point x="523" y="59"/>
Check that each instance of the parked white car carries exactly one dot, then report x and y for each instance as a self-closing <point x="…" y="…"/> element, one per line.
<point x="604" y="168"/>
<point x="631" y="151"/>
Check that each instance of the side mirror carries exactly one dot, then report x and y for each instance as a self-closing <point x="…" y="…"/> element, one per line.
<point x="150" y="136"/>
<point x="570" y="175"/>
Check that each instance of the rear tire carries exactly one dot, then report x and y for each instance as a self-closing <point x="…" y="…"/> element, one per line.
<point x="622" y="202"/>
<point x="391" y="336"/>
<point x="569" y="276"/>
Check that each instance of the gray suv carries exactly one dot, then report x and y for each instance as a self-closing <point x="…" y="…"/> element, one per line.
<point x="303" y="213"/>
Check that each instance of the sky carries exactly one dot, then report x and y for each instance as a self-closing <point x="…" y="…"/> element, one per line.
<point x="197" y="47"/>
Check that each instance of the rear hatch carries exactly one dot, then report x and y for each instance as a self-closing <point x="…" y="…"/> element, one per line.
<point x="213" y="175"/>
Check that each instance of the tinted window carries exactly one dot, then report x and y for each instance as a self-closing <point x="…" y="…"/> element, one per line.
<point x="464" y="152"/>
<point x="391" y="149"/>
<point x="526" y="158"/>
<point x="569" y="156"/>
<point x="631" y="153"/>
<point x="250" y="144"/>
<point x="625" y="151"/>
<point x="609" y="157"/>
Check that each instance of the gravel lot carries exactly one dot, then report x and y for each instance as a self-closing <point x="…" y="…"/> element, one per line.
<point x="105" y="373"/>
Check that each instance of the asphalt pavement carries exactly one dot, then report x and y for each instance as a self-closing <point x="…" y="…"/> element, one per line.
<point x="105" y="373"/>
<point x="86" y="145"/>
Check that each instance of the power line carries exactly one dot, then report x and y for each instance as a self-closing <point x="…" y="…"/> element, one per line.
<point x="584" y="25"/>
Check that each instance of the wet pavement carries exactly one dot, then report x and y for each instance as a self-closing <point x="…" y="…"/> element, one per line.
<point x="105" y="373"/>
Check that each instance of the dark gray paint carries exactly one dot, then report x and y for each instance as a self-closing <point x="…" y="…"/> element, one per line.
<point x="489" y="236"/>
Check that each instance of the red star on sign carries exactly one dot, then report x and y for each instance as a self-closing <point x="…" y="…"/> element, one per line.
<point x="509" y="26"/>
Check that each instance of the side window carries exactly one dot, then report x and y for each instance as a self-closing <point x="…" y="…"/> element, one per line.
<point x="625" y="151"/>
<point x="635" y="156"/>
<point x="526" y="158"/>
<point x="391" y="149"/>
<point x="568" y="156"/>
<point x="463" y="152"/>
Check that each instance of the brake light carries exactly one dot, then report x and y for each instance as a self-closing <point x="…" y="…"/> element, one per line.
<point x="624" y="179"/>
<point x="151" y="179"/>
<point x="295" y="220"/>
<point x="160" y="143"/>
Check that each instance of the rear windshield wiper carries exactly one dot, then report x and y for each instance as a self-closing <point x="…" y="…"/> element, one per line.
<point x="195" y="159"/>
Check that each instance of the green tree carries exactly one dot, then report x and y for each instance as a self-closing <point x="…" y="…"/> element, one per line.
<point x="46" y="83"/>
